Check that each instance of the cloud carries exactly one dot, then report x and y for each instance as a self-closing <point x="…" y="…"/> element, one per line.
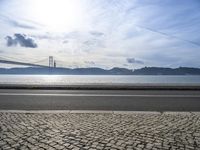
<point x="72" y="35"/>
<point x="21" y="25"/>
<point x="20" y="39"/>
<point x="11" y="41"/>
<point x="93" y="44"/>
<point x="134" y="61"/>
<point x="65" y="41"/>
<point x="97" y="34"/>
<point x="90" y="62"/>
<point x="90" y="42"/>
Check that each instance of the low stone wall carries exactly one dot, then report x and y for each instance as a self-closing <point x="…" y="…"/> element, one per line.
<point x="105" y="87"/>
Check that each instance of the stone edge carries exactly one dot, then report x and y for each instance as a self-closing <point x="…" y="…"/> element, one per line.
<point x="97" y="112"/>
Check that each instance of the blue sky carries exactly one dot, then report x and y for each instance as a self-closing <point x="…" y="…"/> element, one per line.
<point x="102" y="33"/>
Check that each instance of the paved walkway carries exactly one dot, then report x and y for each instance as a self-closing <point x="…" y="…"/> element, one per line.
<point x="96" y="131"/>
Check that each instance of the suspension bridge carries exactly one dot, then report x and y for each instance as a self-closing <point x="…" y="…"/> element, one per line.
<point x="46" y="62"/>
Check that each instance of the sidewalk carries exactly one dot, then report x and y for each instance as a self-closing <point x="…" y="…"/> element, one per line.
<point x="80" y="130"/>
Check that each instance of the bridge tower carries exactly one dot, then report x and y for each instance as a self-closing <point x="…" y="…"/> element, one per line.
<point x="51" y="63"/>
<point x="54" y="65"/>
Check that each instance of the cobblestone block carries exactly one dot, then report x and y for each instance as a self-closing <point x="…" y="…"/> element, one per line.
<point x="103" y="131"/>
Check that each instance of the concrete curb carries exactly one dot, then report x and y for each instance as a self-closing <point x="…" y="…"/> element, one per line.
<point x="96" y="112"/>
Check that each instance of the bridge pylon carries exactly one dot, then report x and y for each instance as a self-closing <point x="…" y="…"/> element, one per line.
<point x="51" y="63"/>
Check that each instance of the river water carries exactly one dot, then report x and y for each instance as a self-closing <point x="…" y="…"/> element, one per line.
<point x="97" y="79"/>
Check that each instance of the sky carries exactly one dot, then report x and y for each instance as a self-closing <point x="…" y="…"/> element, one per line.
<point x="101" y="33"/>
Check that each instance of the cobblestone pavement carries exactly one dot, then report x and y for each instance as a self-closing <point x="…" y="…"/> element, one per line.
<point x="109" y="131"/>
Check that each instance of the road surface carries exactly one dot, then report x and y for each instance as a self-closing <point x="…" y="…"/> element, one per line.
<point x="126" y="100"/>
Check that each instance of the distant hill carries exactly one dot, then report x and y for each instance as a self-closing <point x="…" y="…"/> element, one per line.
<point x="100" y="71"/>
<point x="167" y="71"/>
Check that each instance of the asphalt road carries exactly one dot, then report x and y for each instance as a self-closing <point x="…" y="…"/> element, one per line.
<point x="128" y="100"/>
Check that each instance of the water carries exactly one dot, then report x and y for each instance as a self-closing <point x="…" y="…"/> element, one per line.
<point x="96" y="79"/>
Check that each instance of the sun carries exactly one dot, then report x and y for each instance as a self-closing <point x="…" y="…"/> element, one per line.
<point x="58" y="15"/>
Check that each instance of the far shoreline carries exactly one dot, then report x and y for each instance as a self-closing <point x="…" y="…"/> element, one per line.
<point x="104" y="74"/>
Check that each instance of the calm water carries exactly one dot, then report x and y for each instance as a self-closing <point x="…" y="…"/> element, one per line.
<point x="92" y="79"/>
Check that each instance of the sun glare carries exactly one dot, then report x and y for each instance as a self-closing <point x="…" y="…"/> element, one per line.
<point x="58" y="15"/>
